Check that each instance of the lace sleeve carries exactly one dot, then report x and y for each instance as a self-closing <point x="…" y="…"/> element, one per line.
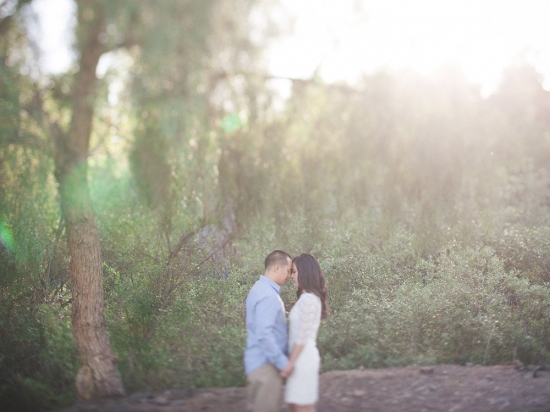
<point x="310" y="318"/>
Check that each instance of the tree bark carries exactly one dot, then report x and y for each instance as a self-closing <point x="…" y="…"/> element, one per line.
<point x="98" y="375"/>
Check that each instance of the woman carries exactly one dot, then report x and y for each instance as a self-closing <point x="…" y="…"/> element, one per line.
<point x="302" y="371"/>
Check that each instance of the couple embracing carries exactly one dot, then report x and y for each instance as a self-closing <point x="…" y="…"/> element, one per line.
<point x="273" y="354"/>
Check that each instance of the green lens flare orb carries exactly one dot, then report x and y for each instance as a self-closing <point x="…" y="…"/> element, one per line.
<point x="230" y="123"/>
<point x="6" y="239"/>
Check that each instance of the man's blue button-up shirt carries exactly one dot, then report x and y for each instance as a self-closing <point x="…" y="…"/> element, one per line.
<point x="265" y="326"/>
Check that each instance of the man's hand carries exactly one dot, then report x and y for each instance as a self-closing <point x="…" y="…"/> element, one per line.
<point x="287" y="370"/>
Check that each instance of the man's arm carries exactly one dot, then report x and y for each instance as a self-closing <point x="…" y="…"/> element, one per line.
<point x="266" y="314"/>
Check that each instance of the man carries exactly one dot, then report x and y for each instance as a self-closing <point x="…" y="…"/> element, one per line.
<point x="266" y="345"/>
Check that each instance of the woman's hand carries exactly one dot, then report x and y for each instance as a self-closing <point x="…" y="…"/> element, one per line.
<point x="287" y="370"/>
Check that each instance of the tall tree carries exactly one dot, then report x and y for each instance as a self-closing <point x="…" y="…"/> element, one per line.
<point x="185" y="51"/>
<point x="98" y="375"/>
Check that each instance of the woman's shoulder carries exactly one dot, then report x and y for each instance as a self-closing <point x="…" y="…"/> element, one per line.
<point x="309" y="297"/>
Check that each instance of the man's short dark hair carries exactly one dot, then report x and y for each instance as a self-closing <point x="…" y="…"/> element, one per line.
<point x="277" y="257"/>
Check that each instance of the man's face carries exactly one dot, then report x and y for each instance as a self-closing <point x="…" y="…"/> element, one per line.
<point x="283" y="272"/>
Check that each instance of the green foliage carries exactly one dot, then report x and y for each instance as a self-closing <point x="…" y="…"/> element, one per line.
<point x="38" y="358"/>
<point x="196" y="341"/>
<point x="460" y="306"/>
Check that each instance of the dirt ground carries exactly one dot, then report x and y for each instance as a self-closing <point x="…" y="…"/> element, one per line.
<point x="448" y="388"/>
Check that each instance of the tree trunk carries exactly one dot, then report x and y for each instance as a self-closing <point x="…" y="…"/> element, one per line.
<point x="98" y="375"/>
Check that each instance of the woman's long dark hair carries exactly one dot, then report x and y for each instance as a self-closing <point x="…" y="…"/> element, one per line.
<point x="311" y="279"/>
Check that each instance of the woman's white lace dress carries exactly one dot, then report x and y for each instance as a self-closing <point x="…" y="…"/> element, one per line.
<point x="302" y="387"/>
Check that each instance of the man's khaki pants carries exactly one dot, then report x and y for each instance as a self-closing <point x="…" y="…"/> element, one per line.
<point x="264" y="389"/>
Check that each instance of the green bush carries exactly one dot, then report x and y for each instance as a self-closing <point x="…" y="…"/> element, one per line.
<point x="197" y="340"/>
<point x="458" y="307"/>
<point x="38" y="359"/>
<point x="393" y="302"/>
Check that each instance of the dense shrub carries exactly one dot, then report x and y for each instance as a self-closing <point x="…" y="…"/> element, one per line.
<point x="38" y="359"/>
<point x="197" y="340"/>
<point x="391" y="304"/>
<point x="461" y="306"/>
